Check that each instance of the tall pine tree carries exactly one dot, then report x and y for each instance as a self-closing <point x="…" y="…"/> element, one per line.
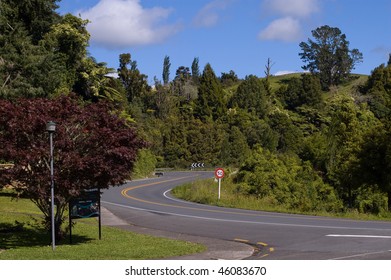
<point x="211" y="103"/>
<point x="195" y="69"/>
<point x="166" y="70"/>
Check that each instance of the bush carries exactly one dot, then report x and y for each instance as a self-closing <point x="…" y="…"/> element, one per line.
<point x="145" y="164"/>
<point x="371" y="200"/>
<point x="287" y="180"/>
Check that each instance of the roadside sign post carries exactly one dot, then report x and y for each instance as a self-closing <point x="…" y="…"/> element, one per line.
<point x="219" y="188"/>
<point x="219" y="174"/>
<point x="85" y="206"/>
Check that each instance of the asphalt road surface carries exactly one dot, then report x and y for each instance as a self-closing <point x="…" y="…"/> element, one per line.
<point x="148" y="203"/>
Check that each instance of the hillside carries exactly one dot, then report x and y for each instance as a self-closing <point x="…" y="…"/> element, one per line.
<point x="356" y="80"/>
<point x="349" y="87"/>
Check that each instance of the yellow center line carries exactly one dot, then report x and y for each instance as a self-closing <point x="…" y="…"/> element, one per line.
<point x="124" y="193"/>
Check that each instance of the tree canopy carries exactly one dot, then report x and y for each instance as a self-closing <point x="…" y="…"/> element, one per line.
<point x="211" y="103"/>
<point x="93" y="149"/>
<point x="329" y="55"/>
<point x="166" y="69"/>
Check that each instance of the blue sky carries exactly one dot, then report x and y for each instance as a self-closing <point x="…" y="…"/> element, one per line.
<point x="237" y="35"/>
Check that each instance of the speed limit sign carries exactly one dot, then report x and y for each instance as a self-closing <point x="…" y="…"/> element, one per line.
<point x="219" y="173"/>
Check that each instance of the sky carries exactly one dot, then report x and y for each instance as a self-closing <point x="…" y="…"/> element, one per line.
<point x="238" y="35"/>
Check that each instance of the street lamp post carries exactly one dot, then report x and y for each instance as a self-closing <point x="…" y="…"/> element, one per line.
<point x="51" y="128"/>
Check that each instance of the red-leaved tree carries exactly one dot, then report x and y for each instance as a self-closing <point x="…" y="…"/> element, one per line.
<point x="93" y="147"/>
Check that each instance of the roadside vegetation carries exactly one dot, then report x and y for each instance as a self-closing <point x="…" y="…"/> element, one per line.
<point x="233" y="196"/>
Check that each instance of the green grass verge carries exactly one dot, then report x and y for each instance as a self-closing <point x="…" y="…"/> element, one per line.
<point x="206" y="192"/>
<point x="22" y="237"/>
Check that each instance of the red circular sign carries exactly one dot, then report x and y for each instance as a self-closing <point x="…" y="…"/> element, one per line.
<point x="219" y="173"/>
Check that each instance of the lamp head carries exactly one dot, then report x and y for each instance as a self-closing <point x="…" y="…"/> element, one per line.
<point x="50" y="126"/>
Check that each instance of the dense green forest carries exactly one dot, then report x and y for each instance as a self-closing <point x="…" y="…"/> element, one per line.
<point x="321" y="134"/>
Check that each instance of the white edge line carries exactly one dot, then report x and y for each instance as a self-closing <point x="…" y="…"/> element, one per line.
<point x="361" y="255"/>
<point x="165" y="194"/>
<point x="359" y="236"/>
<point x="233" y="221"/>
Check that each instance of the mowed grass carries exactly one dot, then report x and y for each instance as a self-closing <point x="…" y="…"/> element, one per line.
<point x="23" y="238"/>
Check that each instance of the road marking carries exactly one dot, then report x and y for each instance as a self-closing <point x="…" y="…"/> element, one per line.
<point x="155" y="183"/>
<point x="257" y="248"/>
<point x="224" y="220"/>
<point x="241" y="240"/>
<point x="359" y="236"/>
<point x="125" y="191"/>
<point x="361" y="255"/>
<point x="165" y="194"/>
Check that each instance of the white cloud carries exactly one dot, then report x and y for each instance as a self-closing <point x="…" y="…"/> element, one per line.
<point x="124" y="23"/>
<point x="284" y="72"/>
<point x="295" y="8"/>
<point x="209" y="15"/>
<point x="293" y="13"/>
<point x="285" y="29"/>
<point x="287" y="72"/>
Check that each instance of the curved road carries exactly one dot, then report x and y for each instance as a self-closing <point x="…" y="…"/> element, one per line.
<point x="148" y="203"/>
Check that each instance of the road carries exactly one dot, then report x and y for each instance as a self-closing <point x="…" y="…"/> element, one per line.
<point x="148" y="203"/>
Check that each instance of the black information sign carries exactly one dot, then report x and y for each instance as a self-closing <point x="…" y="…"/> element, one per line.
<point x="85" y="206"/>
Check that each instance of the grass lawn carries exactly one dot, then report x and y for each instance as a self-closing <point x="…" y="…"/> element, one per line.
<point x="22" y="237"/>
